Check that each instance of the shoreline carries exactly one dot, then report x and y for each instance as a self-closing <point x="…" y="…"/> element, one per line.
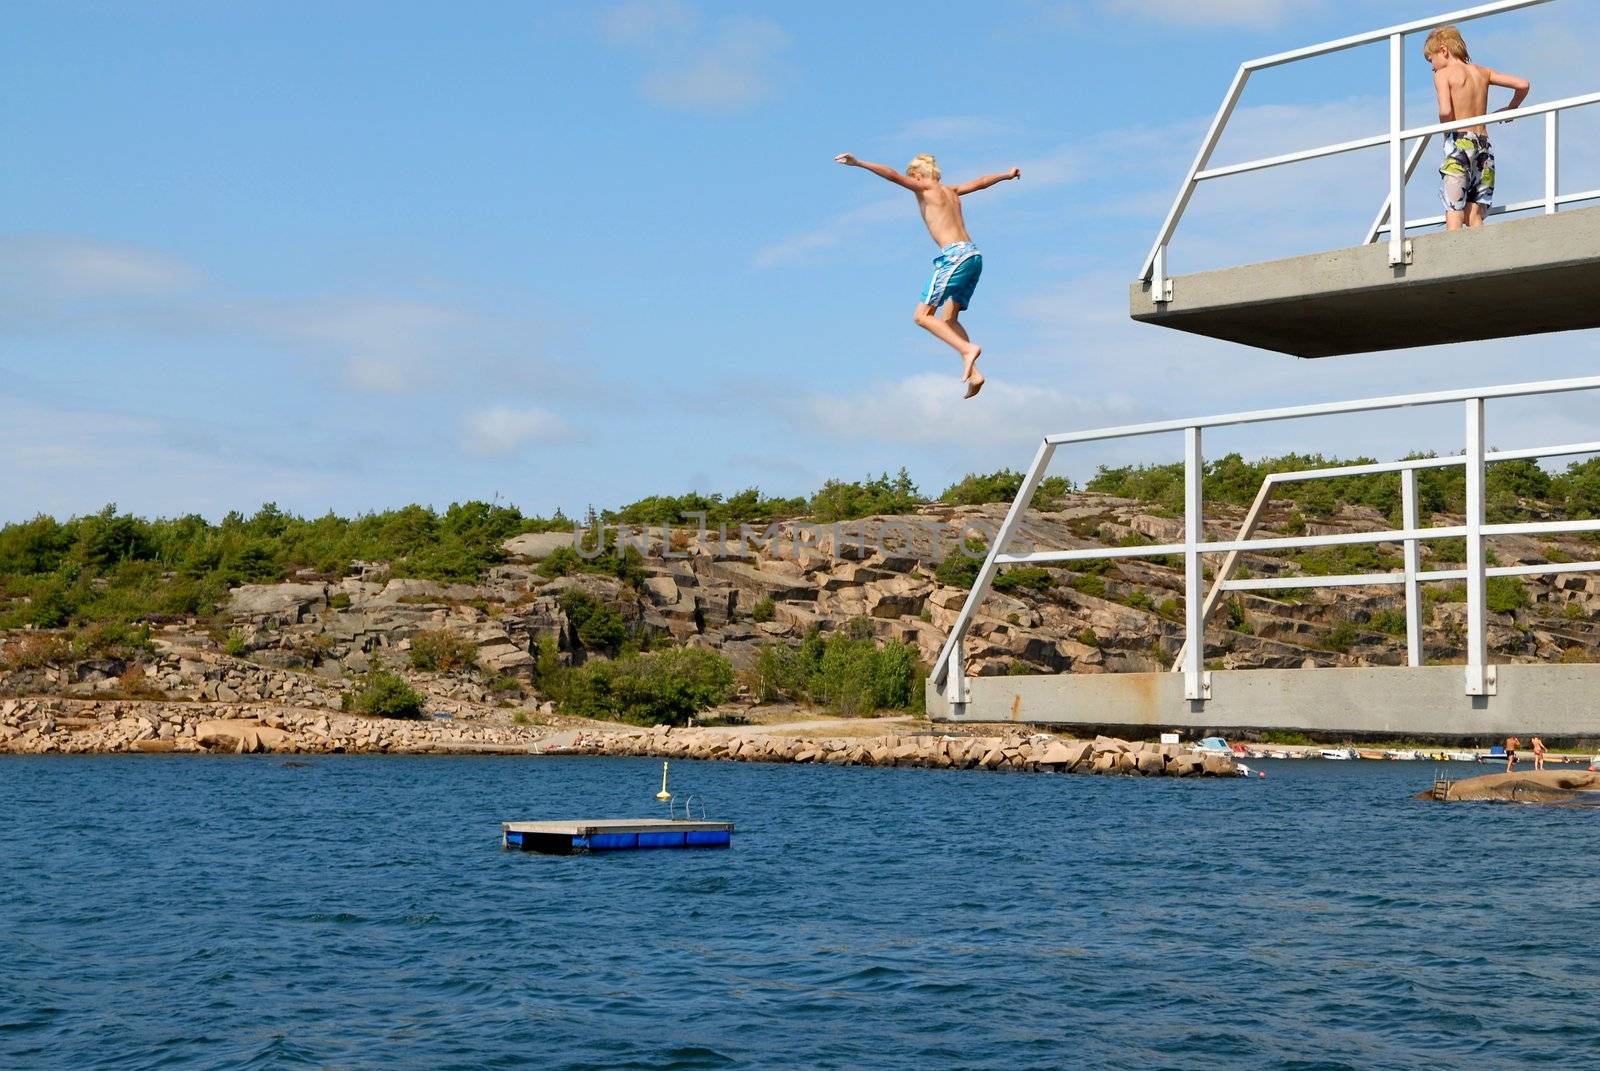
<point x="53" y="726"/>
<point x="56" y="725"/>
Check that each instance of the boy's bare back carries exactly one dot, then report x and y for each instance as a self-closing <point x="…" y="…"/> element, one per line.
<point x="1466" y="87"/>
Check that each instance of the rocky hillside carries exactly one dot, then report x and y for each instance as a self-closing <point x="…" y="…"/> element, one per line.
<point x="301" y="642"/>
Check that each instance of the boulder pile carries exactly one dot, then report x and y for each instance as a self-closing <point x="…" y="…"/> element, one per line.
<point x="51" y="725"/>
<point x="1019" y="752"/>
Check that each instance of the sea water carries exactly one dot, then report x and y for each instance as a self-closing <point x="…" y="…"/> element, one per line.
<point x="182" y="912"/>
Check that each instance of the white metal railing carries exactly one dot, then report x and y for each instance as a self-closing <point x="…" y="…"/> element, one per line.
<point x="949" y="667"/>
<point x="1401" y="165"/>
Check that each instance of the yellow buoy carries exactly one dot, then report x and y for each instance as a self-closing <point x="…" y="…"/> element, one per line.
<point x="663" y="795"/>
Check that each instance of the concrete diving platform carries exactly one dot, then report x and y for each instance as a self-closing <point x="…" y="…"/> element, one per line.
<point x="1523" y="277"/>
<point x="1555" y="700"/>
<point x="614" y="834"/>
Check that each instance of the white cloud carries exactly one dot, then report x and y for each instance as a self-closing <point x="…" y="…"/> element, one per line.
<point x="1250" y="14"/>
<point x="501" y="430"/>
<point x="639" y="21"/>
<point x="726" y="68"/>
<point x="929" y="410"/>
<point x="66" y="460"/>
<point x="76" y="265"/>
<point x="853" y="224"/>
<point x="944" y="129"/>
<point x="384" y="345"/>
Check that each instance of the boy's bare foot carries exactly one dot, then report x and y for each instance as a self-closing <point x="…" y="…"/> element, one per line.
<point x="974" y="383"/>
<point x="971" y="362"/>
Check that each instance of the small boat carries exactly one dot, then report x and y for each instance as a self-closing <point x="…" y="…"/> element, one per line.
<point x="1339" y="754"/>
<point x="1216" y="745"/>
<point x="1594" y="764"/>
<point x="1401" y="756"/>
<point x="1461" y="756"/>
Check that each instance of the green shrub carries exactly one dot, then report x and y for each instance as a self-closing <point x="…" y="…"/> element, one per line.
<point x="1088" y="637"/>
<point x="666" y="687"/>
<point x="848" y="672"/>
<point x="1505" y="594"/>
<point x="236" y="644"/>
<point x="35" y="650"/>
<point x="958" y="570"/>
<point x="1138" y="600"/>
<point x="442" y="651"/>
<point x="598" y="626"/>
<point x="1389" y="622"/>
<point x="1021" y="577"/>
<point x="1341" y="637"/>
<point x="387" y="695"/>
<point x="1089" y="584"/>
<point x="1002" y="486"/>
<point x="339" y="600"/>
<point x="112" y="638"/>
<point x="838" y="500"/>
<point x="763" y="610"/>
<point x="1019" y="668"/>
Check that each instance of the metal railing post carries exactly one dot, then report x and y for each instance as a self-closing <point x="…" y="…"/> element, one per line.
<point x="1186" y="191"/>
<point x="1477" y="583"/>
<point x="1194" y="615"/>
<point x="1397" y="149"/>
<point x="986" y="573"/>
<point x="1408" y="506"/>
<point x="1160" y="283"/>
<point x="1552" y="155"/>
<point x="1417" y="149"/>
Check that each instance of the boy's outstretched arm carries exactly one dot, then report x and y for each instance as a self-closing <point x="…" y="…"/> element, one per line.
<point x="988" y="180"/>
<point x="1519" y="87"/>
<point x="881" y="170"/>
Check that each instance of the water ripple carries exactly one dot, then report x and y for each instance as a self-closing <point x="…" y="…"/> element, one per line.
<point x="359" y="913"/>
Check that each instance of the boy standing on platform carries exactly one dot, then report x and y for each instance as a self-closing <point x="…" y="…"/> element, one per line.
<point x="1467" y="174"/>
<point x="958" y="265"/>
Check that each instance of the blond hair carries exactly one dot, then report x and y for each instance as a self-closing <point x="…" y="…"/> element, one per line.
<point x="923" y="165"/>
<point x="1449" y="39"/>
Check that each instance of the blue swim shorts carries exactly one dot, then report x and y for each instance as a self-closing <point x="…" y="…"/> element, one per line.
<point x="955" y="276"/>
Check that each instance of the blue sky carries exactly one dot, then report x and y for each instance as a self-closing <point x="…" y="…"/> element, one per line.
<point x="355" y="255"/>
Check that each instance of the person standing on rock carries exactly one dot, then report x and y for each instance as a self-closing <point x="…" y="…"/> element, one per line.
<point x="1512" y="743"/>
<point x="1538" y="753"/>
<point x="958" y="265"/>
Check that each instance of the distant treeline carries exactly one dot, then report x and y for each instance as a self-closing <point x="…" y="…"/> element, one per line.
<point x="1509" y="488"/>
<point x="111" y="566"/>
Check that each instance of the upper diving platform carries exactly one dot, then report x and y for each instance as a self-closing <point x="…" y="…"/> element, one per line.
<point x="1399" y="288"/>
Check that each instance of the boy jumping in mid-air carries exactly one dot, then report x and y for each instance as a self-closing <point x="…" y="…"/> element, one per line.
<point x="958" y="265"/>
<point x="1467" y="174"/>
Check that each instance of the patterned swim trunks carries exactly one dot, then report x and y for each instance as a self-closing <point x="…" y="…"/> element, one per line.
<point x="955" y="275"/>
<point x="1467" y="174"/>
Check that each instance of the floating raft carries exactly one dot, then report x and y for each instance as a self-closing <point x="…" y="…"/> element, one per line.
<point x="613" y="835"/>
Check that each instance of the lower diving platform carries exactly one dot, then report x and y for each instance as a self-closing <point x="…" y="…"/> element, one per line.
<point x="1521" y="277"/>
<point x="1555" y="700"/>
<point x="614" y="835"/>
